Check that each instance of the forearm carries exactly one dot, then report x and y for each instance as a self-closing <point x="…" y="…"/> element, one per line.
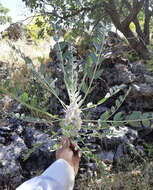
<point x="59" y="176"/>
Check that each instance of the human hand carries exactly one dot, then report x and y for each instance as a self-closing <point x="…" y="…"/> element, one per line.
<point x="67" y="152"/>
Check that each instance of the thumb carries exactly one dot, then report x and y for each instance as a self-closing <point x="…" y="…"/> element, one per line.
<point x="65" y="143"/>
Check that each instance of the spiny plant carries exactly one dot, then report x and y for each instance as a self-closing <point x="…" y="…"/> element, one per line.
<point x="75" y="117"/>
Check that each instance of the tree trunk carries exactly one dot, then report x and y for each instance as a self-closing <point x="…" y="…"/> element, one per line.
<point x="137" y="45"/>
<point x="146" y="22"/>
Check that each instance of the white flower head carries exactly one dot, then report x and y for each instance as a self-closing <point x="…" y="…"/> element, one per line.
<point x="73" y="113"/>
<point x="89" y="104"/>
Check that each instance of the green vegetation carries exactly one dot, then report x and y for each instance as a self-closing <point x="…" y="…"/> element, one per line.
<point x="132" y="18"/>
<point x="4" y="18"/>
<point x="39" y="29"/>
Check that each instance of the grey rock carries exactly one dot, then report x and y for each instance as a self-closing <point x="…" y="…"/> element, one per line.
<point x="2" y="140"/>
<point x="142" y="89"/>
<point x="93" y="166"/>
<point x="96" y="112"/>
<point x="119" y="153"/>
<point x="19" y="129"/>
<point x="138" y="68"/>
<point x="107" y="156"/>
<point x="140" y="150"/>
<point x="11" y="152"/>
<point x="4" y="131"/>
<point x="124" y="74"/>
<point x="9" y="160"/>
<point x="145" y="131"/>
<point x="33" y="136"/>
<point x="148" y="79"/>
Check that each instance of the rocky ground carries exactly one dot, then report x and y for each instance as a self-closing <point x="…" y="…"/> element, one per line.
<point x="27" y="149"/>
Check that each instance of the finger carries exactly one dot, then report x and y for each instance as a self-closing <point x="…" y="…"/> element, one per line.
<point x="75" y="148"/>
<point x="63" y="141"/>
<point x="66" y="143"/>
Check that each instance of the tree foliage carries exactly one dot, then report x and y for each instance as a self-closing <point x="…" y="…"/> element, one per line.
<point x="83" y="15"/>
<point x="4" y="18"/>
<point x="39" y="29"/>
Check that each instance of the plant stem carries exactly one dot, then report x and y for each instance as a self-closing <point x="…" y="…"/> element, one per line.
<point x="93" y="76"/>
<point x="123" y="121"/>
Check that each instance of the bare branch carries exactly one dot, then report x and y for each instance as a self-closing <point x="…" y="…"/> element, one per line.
<point x="137" y="5"/>
<point x="112" y="12"/>
<point x="126" y="2"/>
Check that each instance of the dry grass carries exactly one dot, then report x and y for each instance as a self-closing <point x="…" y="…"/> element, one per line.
<point x="18" y="72"/>
<point x="138" y="177"/>
<point x="33" y="51"/>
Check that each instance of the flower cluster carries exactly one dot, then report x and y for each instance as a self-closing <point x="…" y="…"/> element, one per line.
<point x="73" y="112"/>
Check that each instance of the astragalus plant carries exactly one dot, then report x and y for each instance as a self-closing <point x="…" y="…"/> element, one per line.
<point x="76" y="115"/>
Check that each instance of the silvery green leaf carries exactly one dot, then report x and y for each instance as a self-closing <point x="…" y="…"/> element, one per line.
<point x="100" y="38"/>
<point x="121" y="98"/>
<point x="136" y="115"/>
<point x="17" y="115"/>
<point x="117" y="103"/>
<point x="146" y="123"/>
<point x="90" y="74"/>
<point x="98" y="73"/>
<point x="118" y="116"/>
<point x="111" y="91"/>
<point x="97" y="46"/>
<point x="84" y="87"/>
<point x="112" y="109"/>
<point x="41" y="68"/>
<point x="104" y="116"/>
<point x="93" y="57"/>
<point x="90" y="60"/>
